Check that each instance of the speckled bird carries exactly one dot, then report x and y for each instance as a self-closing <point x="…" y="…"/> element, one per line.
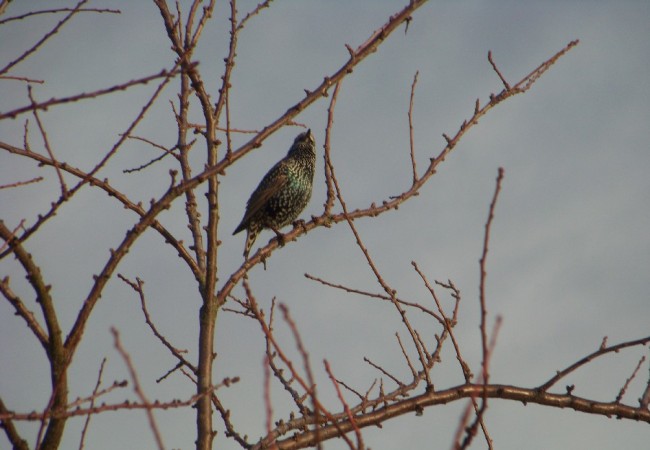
<point x="283" y="192"/>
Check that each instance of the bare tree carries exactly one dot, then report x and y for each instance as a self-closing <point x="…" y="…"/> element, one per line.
<point x="204" y="153"/>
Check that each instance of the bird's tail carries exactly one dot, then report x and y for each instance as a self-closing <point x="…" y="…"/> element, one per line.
<point x="251" y="235"/>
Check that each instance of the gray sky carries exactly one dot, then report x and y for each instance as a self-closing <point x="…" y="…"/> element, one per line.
<point x="570" y="249"/>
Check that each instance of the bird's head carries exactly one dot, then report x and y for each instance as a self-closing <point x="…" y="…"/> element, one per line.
<point x="305" y="138"/>
<point x="304" y="145"/>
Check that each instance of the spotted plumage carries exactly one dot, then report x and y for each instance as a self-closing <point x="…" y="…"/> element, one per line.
<point x="283" y="192"/>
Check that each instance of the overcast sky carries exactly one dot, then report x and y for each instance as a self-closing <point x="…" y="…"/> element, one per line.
<point x="569" y="259"/>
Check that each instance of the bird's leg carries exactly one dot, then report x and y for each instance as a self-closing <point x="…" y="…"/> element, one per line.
<point x="280" y="237"/>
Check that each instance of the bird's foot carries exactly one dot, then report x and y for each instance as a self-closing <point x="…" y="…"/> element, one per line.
<point x="279" y="236"/>
<point x="300" y="223"/>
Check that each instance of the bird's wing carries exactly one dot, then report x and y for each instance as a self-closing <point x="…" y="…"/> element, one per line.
<point x="262" y="195"/>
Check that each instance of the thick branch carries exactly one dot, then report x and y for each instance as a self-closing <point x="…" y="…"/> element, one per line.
<point x="418" y="403"/>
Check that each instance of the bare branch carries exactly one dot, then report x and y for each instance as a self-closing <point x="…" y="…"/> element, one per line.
<point x="482" y="263"/>
<point x="138" y="389"/>
<point x="21" y="183"/>
<point x="494" y="66"/>
<point x="374" y="209"/>
<point x="92" y="404"/>
<point x="587" y="359"/>
<point x="621" y="393"/>
<point x="56" y="11"/>
<point x="47" y="35"/>
<point x="16" y="440"/>
<point x="138" y="286"/>
<point x="46" y="142"/>
<point x="357" y="431"/>
<point x="410" y="117"/>
<point x="75" y="98"/>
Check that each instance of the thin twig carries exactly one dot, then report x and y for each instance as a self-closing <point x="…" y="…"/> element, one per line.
<point x="138" y="286"/>
<point x="92" y="404"/>
<point x="357" y="431"/>
<point x="598" y="353"/>
<point x="20" y="183"/>
<point x="621" y="393"/>
<point x="45" y="37"/>
<point x="410" y="117"/>
<point x="496" y="69"/>
<point x="391" y="292"/>
<point x="75" y="98"/>
<point x="329" y="202"/>
<point x="138" y="388"/>
<point x="46" y="143"/>
<point x="58" y="10"/>
<point x="483" y="271"/>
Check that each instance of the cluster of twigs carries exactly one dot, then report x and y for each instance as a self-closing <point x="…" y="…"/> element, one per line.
<point x="313" y="423"/>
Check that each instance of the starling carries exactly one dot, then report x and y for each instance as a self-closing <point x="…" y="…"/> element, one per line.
<point x="283" y="192"/>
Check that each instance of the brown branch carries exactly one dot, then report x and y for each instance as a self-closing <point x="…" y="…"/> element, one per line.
<point x="483" y="273"/>
<point x="379" y="296"/>
<point x="254" y="12"/>
<point x="138" y="388"/>
<point x="17" y="442"/>
<point x="374" y="209"/>
<point x="598" y="353"/>
<point x="312" y="95"/>
<point x="410" y="118"/>
<point x="138" y="286"/>
<point x="496" y="69"/>
<point x="21" y="183"/>
<point x="112" y="193"/>
<point x="294" y="373"/>
<point x="329" y="202"/>
<point x="470" y="431"/>
<point x="380" y="415"/>
<point x="74" y="337"/>
<point x="644" y="401"/>
<point x="268" y="404"/>
<point x="346" y="408"/>
<point x="165" y="152"/>
<point x="42" y="218"/>
<point x="306" y="365"/>
<point x="45" y="37"/>
<point x="92" y="404"/>
<point x="122" y="406"/>
<point x="58" y="10"/>
<point x="447" y="323"/>
<point x="24" y="312"/>
<point x="621" y="393"/>
<point x="191" y="205"/>
<point x="75" y="98"/>
<point x="25" y="79"/>
<point x="385" y="372"/>
<point x="389" y="291"/>
<point x="418" y="403"/>
<point x="52" y="343"/>
<point x="278" y="373"/>
<point x="46" y="143"/>
<point x="184" y="47"/>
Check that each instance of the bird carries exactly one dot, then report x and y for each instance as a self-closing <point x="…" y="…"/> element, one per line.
<point x="283" y="193"/>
